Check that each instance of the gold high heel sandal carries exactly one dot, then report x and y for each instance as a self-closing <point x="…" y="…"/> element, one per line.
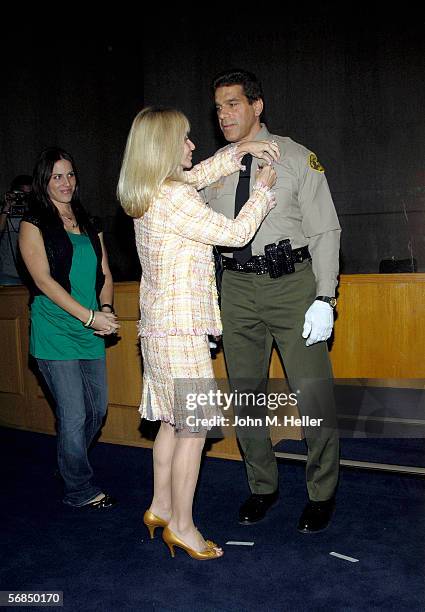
<point x="152" y="522"/>
<point x="172" y="540"/>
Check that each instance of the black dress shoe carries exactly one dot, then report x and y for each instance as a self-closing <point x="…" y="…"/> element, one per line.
<point x="316" y="516"/>
<point x="105" y="502"/>
<point x="255" y="508"/>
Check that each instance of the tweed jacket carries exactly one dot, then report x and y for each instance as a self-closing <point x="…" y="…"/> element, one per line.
<point x="174" y="239"/>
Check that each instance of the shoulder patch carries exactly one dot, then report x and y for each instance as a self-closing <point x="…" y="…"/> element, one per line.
<point x="315" y="164"/>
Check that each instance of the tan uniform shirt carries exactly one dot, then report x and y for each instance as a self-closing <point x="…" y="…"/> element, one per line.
<point x="304" y="213"/>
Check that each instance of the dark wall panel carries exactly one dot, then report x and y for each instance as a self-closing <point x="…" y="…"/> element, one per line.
<point x="82" y="95"/>
<point x="351" y="88"/>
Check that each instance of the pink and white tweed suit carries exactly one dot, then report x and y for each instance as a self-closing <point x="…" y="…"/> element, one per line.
<point x="178" y="295"/>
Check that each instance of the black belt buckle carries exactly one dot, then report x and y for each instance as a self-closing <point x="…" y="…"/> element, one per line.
<point x="260" y="265"/>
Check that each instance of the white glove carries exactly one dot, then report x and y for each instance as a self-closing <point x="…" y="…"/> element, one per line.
<point x="319" y="321"/>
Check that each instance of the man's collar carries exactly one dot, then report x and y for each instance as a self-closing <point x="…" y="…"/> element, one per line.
<point x="263" y="133"/>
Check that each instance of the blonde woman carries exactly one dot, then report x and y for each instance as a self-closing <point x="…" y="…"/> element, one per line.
<point x="175" y="232"/>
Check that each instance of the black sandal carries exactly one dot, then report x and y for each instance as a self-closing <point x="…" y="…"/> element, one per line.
<point x="106" y="502"/>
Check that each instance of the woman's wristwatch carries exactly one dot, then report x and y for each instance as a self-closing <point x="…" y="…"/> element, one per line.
<point x="329" y="300"/>
<point x="108" y="306"/>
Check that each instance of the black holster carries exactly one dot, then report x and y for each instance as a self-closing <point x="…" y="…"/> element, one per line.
<point x="279" y="258"/>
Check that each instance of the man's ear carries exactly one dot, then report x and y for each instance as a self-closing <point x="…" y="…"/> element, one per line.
<point x="258" y="107"/>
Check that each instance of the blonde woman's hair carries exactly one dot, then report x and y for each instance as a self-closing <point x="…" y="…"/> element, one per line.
<point x="152" y="157"/>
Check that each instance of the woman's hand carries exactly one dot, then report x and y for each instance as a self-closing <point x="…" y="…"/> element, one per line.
<point x="266" y="176"/>
<point x="262" y="149"/>
<point x="105" y="323"/>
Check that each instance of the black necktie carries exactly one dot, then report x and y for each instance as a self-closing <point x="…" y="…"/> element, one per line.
<point x="242" y="195"/>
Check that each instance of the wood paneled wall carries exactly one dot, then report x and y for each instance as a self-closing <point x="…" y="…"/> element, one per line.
<point x="379" y="335"/>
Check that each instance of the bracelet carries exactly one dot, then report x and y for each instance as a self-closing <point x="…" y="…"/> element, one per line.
<point x="109" y="306"/>
<point x="90" y="320"/>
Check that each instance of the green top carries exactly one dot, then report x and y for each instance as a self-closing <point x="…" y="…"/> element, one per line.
<point x="55" y="334"/>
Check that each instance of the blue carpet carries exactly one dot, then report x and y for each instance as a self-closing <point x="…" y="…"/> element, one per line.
<point x="105" y="561"/>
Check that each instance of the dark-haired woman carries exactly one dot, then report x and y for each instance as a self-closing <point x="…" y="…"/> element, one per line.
<point x="71" y="310"/>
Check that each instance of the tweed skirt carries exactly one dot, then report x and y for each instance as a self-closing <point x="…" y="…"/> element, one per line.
<point x="176" y="370"/>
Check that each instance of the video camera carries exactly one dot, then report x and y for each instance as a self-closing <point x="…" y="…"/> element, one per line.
<point x="17" y="201"/>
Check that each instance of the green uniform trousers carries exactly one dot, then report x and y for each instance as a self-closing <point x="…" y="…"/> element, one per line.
<point x="255" y="310"/>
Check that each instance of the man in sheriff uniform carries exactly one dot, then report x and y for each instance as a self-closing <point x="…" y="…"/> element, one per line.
<point x="282" y="287"/>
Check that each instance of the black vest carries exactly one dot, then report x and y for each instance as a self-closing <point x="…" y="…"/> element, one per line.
<point x="59" y="248"/>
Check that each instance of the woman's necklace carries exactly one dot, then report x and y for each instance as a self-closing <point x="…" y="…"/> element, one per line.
<point x="70" y="220"/>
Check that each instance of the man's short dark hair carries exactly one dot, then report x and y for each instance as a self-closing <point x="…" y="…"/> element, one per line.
<point x="20" y="181"/>
<point x="250" y="84"/>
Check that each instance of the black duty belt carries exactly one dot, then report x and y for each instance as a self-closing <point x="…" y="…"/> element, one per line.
<point x="259" y="264"/>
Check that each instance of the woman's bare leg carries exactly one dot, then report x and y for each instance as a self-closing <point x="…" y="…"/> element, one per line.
<point x="184" y="476"/>
<point x="163" y="451"/>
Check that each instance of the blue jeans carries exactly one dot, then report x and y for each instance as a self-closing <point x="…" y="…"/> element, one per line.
<point x="79" y="388"/>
